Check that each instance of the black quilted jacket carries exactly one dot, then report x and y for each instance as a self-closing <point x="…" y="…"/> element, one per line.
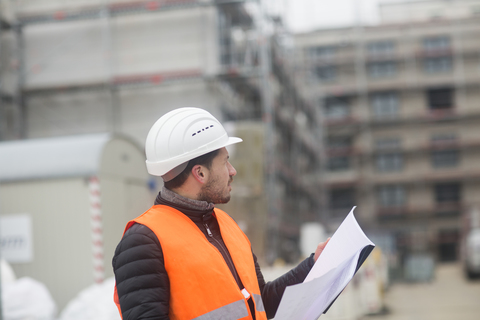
<point x="142" y="282"/>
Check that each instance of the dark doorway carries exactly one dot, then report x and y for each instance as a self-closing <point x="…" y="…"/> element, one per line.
<point x="448" y="245"/>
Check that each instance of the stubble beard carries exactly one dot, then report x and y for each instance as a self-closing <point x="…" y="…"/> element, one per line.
<point x="211" y="193"/>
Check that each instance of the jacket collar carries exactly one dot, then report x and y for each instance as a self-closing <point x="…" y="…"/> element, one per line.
<point x="191" y="208"/>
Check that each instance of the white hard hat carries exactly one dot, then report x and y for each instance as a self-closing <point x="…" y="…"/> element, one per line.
<point x="182" y="135"/>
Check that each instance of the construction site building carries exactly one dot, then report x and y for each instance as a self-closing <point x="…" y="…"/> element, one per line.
<point x="91" y="66"/>
<point x="401" y="120"/>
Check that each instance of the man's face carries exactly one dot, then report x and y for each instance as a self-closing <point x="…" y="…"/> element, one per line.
<point x="220" y="176"/>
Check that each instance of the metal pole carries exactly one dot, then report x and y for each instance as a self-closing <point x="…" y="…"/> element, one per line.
<point x="1" y="131"/>
<point x="362" y="95"/>
<point x="2" y="112"/>
<point x="106" y="14"/>
<point x="19" y="128"/>
<point x="269" y="122"/>
<point x="1" y="300"/>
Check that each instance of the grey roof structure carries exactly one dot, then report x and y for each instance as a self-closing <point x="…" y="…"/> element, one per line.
<point x="70" y="156"/>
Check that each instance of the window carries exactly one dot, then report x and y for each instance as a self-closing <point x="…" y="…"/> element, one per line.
<point x="380" y="47"/>
<point x="388" y="162"/>
<point x="382" y="69"/>
<point x="339" y="153"/>
<point x="436" y="43"/>
<point x="437" y="64"/>
<point x="387" y="144"/>
<point x="448" y="198"/>
<point x="389" y="157"/>
<point x="447" y="193"/>
<point x="341" y="200"/>
<point x="391" y="196"/>
<point x="445" y="158"/>
<point x="322" y="52"/>
<point x="336" y="108"/>
<point x="338" y="163"/>
<point x="385" y="104"/>
<point x="445" y="153"/>
<point x="339" y="142"/>
<point x="326" y="73"/>
<point x="444" y="139"/>
<point x="440" y="99"/>
<point x="448" y="241"/>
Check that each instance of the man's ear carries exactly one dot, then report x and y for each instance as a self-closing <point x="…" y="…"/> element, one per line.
<point x="200" y="173"/>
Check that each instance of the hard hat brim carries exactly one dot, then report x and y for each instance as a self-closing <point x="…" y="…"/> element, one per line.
<point x="160" y="168"/>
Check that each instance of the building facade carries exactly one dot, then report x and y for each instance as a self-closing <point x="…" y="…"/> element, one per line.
<point x="91" y="66"/>
<point x="400" y="105"/>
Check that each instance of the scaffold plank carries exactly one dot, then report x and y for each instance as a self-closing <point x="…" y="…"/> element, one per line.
<point x="125" y="8"/>
<point x="119" y="82"/>
<point x="101" y="11"/>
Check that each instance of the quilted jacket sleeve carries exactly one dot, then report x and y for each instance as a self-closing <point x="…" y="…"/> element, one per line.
<point x="272" y="291"/>
<point x="142" y="283"/>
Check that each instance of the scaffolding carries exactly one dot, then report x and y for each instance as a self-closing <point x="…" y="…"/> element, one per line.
<point x="254" y="74"/>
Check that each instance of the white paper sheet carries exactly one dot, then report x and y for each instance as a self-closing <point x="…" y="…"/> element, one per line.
<point x="331" y="273"/>
<point x="345" y="242"/>
<point x="308" y="300"/>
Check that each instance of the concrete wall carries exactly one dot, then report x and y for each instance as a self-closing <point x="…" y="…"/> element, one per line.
<point x="130" y="111"/>
<point x="50" y="115"/>
<point x="139" y="108"/>
<point x="62" y="256"/>
<point x="89" y="51"/>
<point x="62" y="223"/>
<point x="428" y="10"/>
<point x="38" y="5"/>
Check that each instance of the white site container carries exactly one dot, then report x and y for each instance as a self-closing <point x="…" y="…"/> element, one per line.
<point x="77" y="193"/>
<point x="311" y="234"/>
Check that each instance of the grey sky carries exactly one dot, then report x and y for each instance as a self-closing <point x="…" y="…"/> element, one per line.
<point x="303" y="15"/>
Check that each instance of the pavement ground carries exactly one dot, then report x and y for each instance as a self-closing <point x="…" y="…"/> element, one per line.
<point x="449" y="296"/>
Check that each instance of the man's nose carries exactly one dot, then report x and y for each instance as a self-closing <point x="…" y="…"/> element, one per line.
<point x="231" y="170"/>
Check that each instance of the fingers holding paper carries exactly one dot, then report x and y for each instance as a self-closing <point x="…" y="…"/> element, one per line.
<point x="320" y="248"/>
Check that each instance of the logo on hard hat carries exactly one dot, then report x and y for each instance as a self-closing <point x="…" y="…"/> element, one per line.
<point x="200" y="131"/>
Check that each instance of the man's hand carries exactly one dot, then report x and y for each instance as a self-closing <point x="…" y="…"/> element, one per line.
<point x="320" y="248"/>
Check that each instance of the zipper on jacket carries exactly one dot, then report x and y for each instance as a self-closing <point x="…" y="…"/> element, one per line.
<point x="210" y="234"/>
<point x="223" y="251"/>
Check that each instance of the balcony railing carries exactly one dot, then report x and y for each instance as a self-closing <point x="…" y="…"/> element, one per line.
<point x="392" y="213"/>
<point x="439" y="115"/>
<point x="438" y="210"/>
<point x="440" y="52"/>
<point x="340" y="121"/>
<point x="448" y="209"/>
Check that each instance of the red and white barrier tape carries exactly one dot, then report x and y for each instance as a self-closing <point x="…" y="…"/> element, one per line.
<point x="97" y="229"/>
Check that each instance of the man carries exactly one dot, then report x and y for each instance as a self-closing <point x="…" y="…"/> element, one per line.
<point x="184" y="258"/>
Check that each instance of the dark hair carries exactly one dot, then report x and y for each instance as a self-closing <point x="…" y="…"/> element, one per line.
<point x="204" y="160"/>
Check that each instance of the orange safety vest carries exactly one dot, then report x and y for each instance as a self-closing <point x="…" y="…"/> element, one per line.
<point x="201" y="284"/>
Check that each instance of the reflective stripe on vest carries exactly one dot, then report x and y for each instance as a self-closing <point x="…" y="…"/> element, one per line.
<point x="258" y="302"/>
<point x="201" y="284"/>
<point x="233" y="311"/>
